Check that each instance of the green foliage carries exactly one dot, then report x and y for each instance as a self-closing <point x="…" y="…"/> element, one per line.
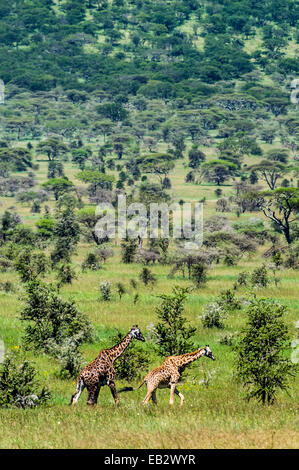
<point x="261" y="362"/>
<point x="65" y="274"/>
<point x="9" y="222"/>
<point x="147" y="277"/>
<point x="19" y="386"/>
<point x="105" y="290"/>
<point x="213" y="316"/>
<point x="121" y="290"/>
<point x="68" y="354"/>
<point x="172" y="333"/>
<point x="131" y="364"/>
<point x="228" y="301"/>
<point x="59" y="186"/>
<point x="199" y="274"/>
<point x="49" y="317"/>
<point x="128" y="250"/>
<point x="30" y="264"/>
<point x="91" y="261"/>
<point x="66" y="234"/>
<point x="259" y="277"/>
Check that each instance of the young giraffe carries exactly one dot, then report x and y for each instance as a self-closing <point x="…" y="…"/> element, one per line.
<point x="167" y="375"/>
<point x="101" y="372"/>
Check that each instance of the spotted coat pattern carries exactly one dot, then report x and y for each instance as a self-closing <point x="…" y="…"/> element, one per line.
<point x="168" y="374"/>
<point x="101" y="372"/>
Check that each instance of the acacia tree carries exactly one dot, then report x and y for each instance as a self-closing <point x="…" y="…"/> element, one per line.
<point x="261" y="362"/>
<point x="281" y="206"/>
<point x="59" y="186"/>
<point x="218" y="171"/>
<point x="269" y="171"/>
<point x="96" y="179"/>
<point x="196" y="157"/>
<point x="53" y="147"/>
<point x="157" y="164"/>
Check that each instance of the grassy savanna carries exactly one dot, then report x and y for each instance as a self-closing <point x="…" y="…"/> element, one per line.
<point x="215" y="414"/>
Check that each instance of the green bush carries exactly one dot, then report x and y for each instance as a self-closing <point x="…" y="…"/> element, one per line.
<point x="259" y="277"/>
<point x="132" y="362"/>
<point x="105" y="290"/>
<point x="48" y="316"/>
<point x="68" y="355"/>
<point x="18" y="384"/>
<point x="92" y="262"/>
<point x="261" y="362"/>
<point x="228" y="301"/>
<point x="173" y="336"/>
<point x="147" y="277"/>
<point x="213" y="316"/>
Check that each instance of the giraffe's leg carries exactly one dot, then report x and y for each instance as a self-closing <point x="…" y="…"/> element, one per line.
<point x="154" y="397"/>
<point x="79" y="389"/>
<point x="180" y="395"/>
<point x="148" y="396"/>
<point x="113" y="391"/>
<point x="172" y="389"/>
<point x="93" y="392"/>
<point x="97" y="394"/>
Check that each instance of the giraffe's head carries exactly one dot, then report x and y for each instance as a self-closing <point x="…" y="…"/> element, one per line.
<point x="136" y="333"/>
<point x="208" y="352"/>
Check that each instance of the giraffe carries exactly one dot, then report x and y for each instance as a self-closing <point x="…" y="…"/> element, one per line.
<point x="167" y="375"/>
<point x="101" y="372"/>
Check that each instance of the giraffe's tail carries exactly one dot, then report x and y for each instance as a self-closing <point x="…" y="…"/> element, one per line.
<point x="125" y="389"/>
<point x="143" y="382"/>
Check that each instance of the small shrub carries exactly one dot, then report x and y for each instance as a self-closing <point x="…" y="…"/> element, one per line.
<point x="228" y="301"/>
<point x="65" y="274"/>
<point x="133" y="283"/>
<point x="227" y="339"/>
<point x="261" y="361"/>
<point x="18" y="384"/>
<point x="213" y="316"/>
<point x="242" y="279"/>
<point x="128" y="251"/>
<point x="7" y="286"/>
<point x="147" y="277"/>
<point x="104" y="253"/>
<point x="105" y="290"/>
<point x="68" y="355"/>
<point x="91" y="262"/>
<point x="199" y="274"/>
<point x="230" y="260"/>
<point x="259" y="277"/>
<point x="31" y="265"/>
<point x="121" y="290"/>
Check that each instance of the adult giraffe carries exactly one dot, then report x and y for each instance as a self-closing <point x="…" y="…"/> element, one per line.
<point x="101" y="372"/>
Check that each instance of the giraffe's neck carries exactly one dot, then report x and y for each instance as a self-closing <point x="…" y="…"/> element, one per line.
<point x="189" y="357"/>
<point x="119" y="348"/>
